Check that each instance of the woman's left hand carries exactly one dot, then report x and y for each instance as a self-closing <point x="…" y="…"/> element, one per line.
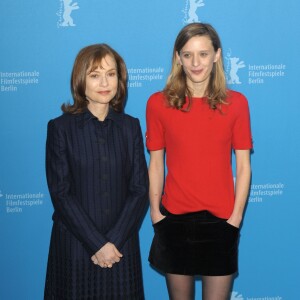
<point x="234" y="222"/>
<point x="95" y="260"/>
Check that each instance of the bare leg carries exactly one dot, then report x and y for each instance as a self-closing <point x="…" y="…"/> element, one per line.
<point x="216" y="287"/>
<point x="180" y="287"/>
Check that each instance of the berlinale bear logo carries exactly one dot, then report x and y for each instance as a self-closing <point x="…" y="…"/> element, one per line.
<point x="236" y="296"/>
<point x="190" y="10"/>
<point x="233" y="65"/>
<point x="64" y="13"/>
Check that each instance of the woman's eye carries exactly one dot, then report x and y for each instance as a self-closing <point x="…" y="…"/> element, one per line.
<point x="204" y="54"/>
<point x="111" y="74"/>
<point x="186" y="55"/>
<point x="93" y="75"/>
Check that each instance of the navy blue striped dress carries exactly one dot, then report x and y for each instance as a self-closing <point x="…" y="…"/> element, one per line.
<point x="98" y="182"/>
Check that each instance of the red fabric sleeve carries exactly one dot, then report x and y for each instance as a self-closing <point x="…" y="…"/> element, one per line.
<point x="155" y="138"/>
<point x="241" y="136"/>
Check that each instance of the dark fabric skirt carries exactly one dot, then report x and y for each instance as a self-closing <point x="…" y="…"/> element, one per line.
<point x="71" y="275"/>
<point x="194" y="244"/>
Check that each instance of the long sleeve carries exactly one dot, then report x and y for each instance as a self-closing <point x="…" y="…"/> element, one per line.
<point x="65" y="202"/>
<point x="137" y="196"/>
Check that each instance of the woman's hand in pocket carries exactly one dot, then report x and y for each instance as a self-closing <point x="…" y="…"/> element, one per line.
<point x="157" y="217"/>
<point x="235" y="222"/>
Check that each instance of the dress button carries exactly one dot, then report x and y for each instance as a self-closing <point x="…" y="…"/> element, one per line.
<point x="100" y="141"/>
<point x="105" y="194"/>
<point x="104" y="176"/>
<point x="106" y="211"/>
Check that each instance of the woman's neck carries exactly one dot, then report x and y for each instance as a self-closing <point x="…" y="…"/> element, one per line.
<point x="198" y="90"/>
<point x="99" y="110"/>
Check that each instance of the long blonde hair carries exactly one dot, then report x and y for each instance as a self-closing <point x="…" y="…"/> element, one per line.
<point x="176" y="89"/>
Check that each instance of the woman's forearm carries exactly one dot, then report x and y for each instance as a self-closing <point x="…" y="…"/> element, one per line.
<point x="242" y="184"/>
<point x="156" y="177"/>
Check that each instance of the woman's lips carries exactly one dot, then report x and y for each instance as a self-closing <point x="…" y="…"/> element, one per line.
<point x="196" y="72"/>
<point x="103" y="92"/>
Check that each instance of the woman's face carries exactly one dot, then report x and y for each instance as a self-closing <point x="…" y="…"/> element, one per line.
<point x="197" y="58"/>
<point x="102" y="83"/>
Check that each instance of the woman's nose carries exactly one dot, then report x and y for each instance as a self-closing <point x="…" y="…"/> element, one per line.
<point x="195" y="61"/>
<point x="103" y="81"/>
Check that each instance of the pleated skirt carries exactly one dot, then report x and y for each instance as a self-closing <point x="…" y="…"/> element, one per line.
<point x="71" y="275"/>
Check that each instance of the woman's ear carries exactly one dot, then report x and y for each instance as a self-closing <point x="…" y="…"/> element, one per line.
<point x="218" y="55"/>
<point x="178" y="59"/>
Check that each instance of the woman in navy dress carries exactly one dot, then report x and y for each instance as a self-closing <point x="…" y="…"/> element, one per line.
<point x="98" y="182"/>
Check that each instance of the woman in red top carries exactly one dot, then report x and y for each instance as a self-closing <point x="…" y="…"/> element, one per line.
<point x="197" y="122"/>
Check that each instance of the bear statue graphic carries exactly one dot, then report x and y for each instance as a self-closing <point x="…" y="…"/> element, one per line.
<point x="236" y="296"/>
<point x="233" y="65"/>
<point x="190" y="10"/>
<point x="68" y="8"/>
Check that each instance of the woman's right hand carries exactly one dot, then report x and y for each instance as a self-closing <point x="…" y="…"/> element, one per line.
<point x="107" y="256"/>
<point x="156" y="217"/>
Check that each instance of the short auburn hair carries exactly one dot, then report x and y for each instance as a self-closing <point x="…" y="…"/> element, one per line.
<point x="89" y="59"/>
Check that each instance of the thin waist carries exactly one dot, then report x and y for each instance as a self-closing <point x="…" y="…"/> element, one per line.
<point x="199" y="215"/>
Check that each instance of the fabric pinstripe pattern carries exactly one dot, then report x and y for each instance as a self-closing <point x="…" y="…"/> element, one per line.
<point x="98" y="182"/>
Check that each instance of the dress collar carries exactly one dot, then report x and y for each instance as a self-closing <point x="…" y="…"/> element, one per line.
<point x="84" y="117"/>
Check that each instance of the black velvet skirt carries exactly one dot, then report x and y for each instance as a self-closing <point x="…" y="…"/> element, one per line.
<point x="194" y="244"/>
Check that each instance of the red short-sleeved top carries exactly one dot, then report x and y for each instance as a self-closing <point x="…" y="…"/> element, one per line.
<point x="198" y="146"/>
